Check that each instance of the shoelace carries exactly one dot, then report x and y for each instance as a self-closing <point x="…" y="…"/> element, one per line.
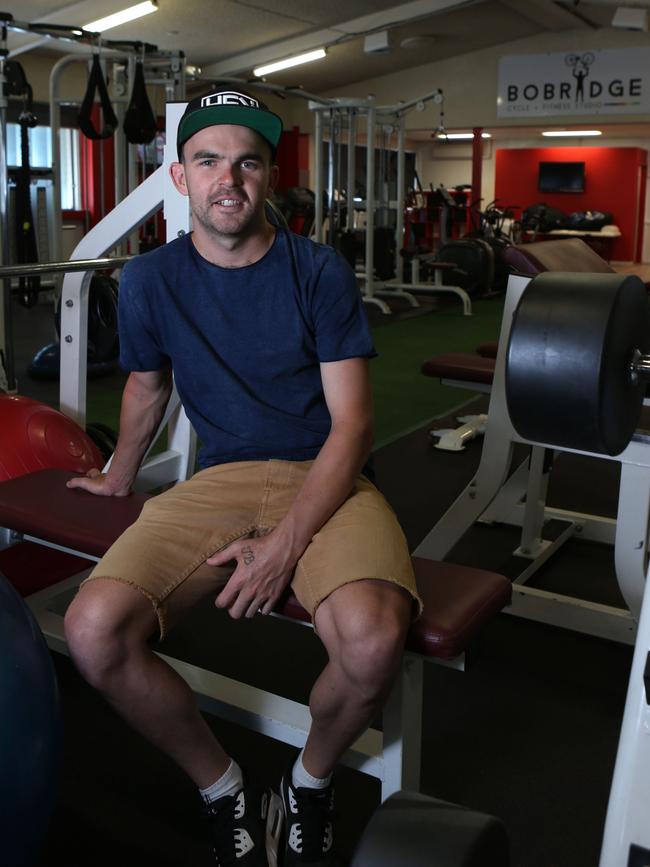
<point x="314" y="814"/>
<point x="223" y="825"/>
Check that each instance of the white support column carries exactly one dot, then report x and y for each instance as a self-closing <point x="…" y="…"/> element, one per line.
<point x="402" y="727"/>
<point x="632" y="523"/>
<point x="496" y="457"/>
<point x="627" y="815"/>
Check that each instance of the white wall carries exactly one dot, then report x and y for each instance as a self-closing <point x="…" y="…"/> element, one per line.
<point x="469" y="81"/>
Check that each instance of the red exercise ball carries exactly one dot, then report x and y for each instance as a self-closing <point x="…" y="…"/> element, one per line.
<point x="33" y="436"/>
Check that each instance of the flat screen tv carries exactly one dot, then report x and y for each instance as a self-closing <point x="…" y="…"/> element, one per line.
<point x="561" y="177"/>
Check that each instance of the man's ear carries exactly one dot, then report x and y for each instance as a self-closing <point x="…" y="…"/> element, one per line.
<point x="274" y="178"/>
<point x="177" y="173"/>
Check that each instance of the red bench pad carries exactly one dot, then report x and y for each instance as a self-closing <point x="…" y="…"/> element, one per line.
<point x="460" y="365"/>
<point x="458" y="600"/>
<point x="488" y="349"/>
<point x="39" y="504"/>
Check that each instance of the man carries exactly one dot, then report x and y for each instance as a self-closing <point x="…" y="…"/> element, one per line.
<point x="267" y="340"/>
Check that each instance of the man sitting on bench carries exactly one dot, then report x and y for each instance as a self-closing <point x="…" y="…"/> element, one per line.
<point x="266" y="336"/>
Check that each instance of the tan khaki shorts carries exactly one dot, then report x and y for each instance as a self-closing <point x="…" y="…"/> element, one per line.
<point x="163" y="554"/>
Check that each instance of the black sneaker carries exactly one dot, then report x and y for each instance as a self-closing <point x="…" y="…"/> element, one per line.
<point x="246" y="828"/>
<point x="308" y="817"/>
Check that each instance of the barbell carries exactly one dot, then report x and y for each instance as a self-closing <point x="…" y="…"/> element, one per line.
<point x="578" y="360"/>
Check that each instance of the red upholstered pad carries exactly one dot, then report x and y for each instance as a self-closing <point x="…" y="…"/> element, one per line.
<point x="488" y="349"/>
<point x="460" y="365"/>
<point x="39" y="504"/>
<point x="458" y="601"/>
<point x="31" y="567"/>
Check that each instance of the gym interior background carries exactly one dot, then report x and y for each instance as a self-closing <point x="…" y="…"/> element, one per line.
<point x="524" y="123"/>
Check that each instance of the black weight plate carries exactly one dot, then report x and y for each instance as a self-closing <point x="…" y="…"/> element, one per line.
<point x="568" y="380"/>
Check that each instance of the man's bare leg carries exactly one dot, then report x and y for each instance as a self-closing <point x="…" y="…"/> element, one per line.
<point x="107" y="628"/>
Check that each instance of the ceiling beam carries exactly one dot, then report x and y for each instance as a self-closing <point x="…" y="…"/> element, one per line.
<point x="547" y="14"/>
<point x="337" y="33"/>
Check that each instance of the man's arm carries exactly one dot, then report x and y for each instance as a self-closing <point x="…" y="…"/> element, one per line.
<point x="265" y="565"/>
<point x="143" y="405"/>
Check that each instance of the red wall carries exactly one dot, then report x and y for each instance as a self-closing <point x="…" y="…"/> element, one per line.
<point x="614" y="182"/>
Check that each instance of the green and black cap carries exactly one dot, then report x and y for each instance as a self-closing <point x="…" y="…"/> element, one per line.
<point x="228" y="106"/>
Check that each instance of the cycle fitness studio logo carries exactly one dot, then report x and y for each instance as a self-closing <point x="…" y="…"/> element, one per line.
<point x="611" y="81"/>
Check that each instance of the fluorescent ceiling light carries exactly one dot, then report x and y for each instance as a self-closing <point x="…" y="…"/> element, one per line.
<point x="568" y="133"/>
<point x="122" y="17"/>
<point x="458" y="136"/>
<point x="290" y="61"/>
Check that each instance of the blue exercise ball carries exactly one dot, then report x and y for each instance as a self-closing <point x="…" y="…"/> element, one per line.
<point x="30" y="732"/>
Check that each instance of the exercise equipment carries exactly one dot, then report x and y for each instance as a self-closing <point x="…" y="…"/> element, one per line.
<point x="24" y="230"/>
<point x="334" y="119"/>
<point x="30" y="732"/>
<point x="577" y="361"/>
<point x="413" y="830"/>
<point x="515" y="494"/>
<point x="34" y="436"/>
<point x="103" y="338"/>
<point x="139" y="120"/>
<point x="96" y="86"/>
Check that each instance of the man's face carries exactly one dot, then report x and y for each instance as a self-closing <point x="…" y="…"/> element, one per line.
<point x="227" y="174"/>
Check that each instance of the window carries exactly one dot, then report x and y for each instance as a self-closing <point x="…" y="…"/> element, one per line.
<point x="40" y="157"/>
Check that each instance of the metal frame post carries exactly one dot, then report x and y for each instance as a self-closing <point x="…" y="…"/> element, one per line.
<point x="401" y="183"/>
<point x="6" y="336"/>
<point x="318" y="176"/>
<point x="351" y="166"/>
<point x="370" y="202"/>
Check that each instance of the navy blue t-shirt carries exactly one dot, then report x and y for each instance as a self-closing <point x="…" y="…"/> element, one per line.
<point x="245" y="343"/>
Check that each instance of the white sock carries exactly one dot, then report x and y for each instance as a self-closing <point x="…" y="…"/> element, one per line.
<point x="227" y="784"/>
<point x="302" y="779"/>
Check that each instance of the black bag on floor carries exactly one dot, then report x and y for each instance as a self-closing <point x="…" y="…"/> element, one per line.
<point x="474" y="260"/>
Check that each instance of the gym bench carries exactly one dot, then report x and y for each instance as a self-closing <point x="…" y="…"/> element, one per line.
<point x="76" y="528"/>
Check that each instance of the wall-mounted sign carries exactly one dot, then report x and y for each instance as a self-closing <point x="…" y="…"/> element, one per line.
<point x="573" y="83"/>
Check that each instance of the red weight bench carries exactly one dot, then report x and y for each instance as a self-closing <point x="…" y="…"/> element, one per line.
<point x="461" y="369"/>
<point x="64" y="530"/>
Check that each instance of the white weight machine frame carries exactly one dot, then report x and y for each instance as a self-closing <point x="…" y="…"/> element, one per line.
<point x="335" y="116"/>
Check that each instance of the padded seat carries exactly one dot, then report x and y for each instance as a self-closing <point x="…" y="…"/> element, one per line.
<point x="488" y="349"/>
<point x="458" y="600"/>
<point x="461" y="366"/>
<point x="571" y="254"/>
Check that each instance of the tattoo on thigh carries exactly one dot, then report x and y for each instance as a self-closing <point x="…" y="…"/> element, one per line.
<point x="248" y="555"/>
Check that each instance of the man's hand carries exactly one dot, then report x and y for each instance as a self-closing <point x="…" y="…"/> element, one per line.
<point x="97" y="483"/>
<point x="264" y="568"/>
